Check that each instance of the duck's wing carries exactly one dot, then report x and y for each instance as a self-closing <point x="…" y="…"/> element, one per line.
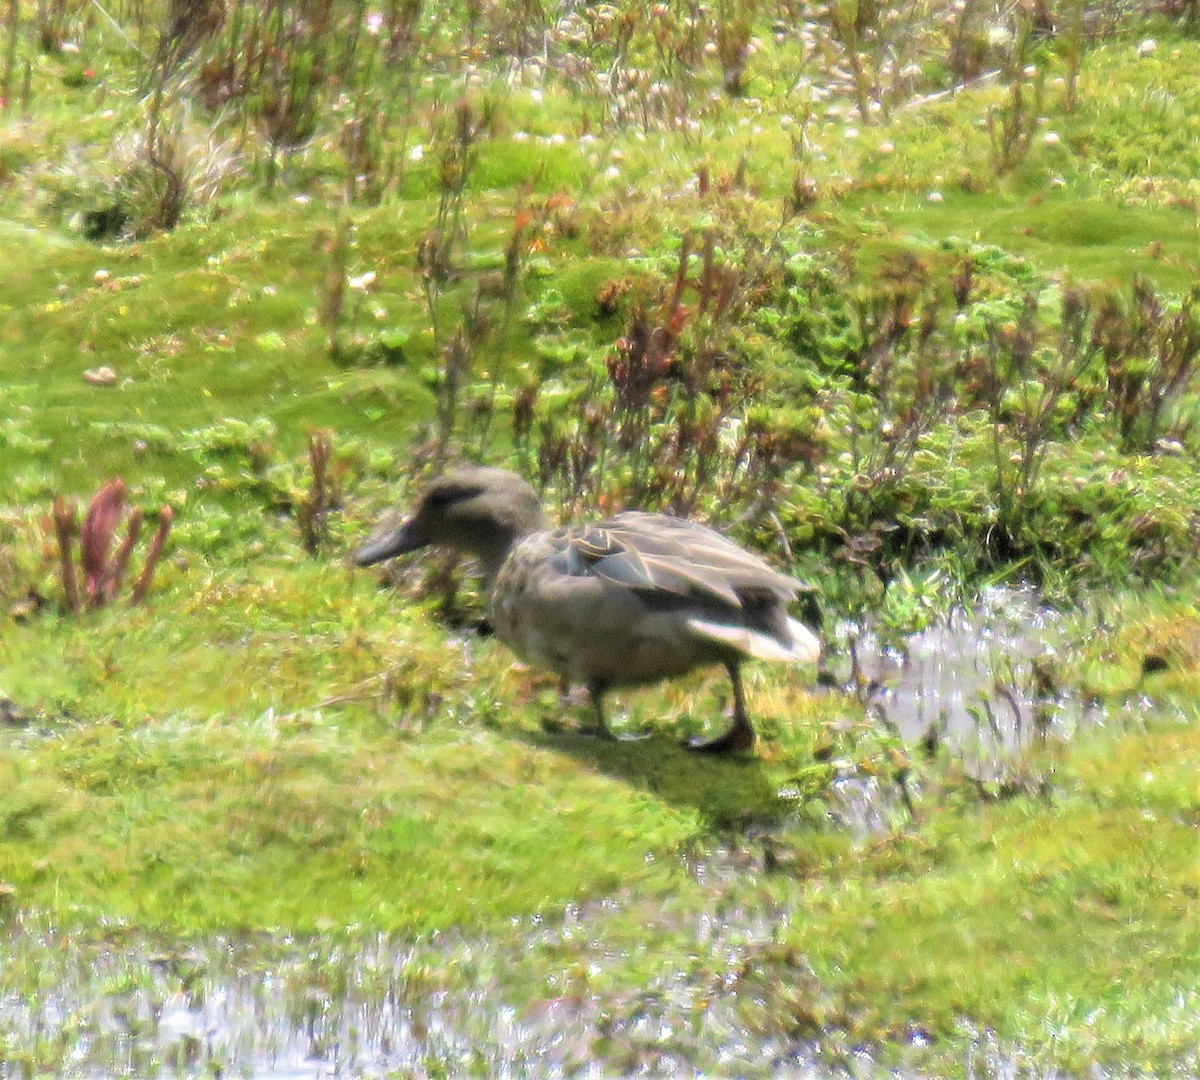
<point x="671" y="557"/>
<point x="720" y="591"/>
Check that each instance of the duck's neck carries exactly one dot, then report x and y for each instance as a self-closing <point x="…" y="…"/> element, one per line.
<point x="493" y="549"/>
<point x="492" y="558"/>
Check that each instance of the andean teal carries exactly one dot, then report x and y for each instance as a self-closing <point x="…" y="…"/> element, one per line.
<point x="630" y="600"/>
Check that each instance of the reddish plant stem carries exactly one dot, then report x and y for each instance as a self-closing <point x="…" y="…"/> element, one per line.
<point x="66" y="520"/>
<point x="157" y="543"/>
<point x="115" y="572"/>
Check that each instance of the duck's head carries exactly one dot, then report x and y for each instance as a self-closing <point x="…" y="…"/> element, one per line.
<point x="478" y="510"/>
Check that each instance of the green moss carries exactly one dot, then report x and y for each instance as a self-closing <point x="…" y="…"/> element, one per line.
<point x="1087" y="239"/>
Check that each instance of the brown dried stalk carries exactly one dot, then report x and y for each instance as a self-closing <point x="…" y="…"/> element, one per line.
<point x="314" y="508"/>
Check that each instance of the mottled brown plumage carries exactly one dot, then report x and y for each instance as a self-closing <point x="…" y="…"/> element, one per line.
<point x="627" y="601"/>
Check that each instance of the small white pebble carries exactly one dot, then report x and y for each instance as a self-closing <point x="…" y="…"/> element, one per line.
<point x="69" y="47"/>
<point x="558" y="139"/>
<point x="302" y="199"/>
<point x="934" y="197"/>
<point x="1147" y="46"/>
<point x="1057" y="182"/>
<point x="417" y="153"/>
<point x="851" y="133"/>
<point x="612" y="172"/>
<point x="520" y="136"/>
<point x="1030" y="71"/>
<point x="886" y="147"/>
<point x="101" y="276"/>
<point x="101" y="376"/>
<point x="710" y="48"/>
<point x="269" y="290"/>
<point x="535" y="95"/>
<point x="1051" y="138"/>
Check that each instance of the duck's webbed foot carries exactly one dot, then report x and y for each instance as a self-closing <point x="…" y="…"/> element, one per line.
<point x="737" y="740"/>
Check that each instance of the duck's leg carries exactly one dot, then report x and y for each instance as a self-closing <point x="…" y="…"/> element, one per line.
<point x="596" y="690"/>
<point x="571" y="696"/>
<point x="740" y="736"/>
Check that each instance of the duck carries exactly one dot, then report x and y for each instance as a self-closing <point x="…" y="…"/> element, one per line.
<point x="631" y="600"/>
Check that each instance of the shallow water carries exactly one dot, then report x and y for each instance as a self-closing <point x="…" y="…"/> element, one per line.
<point x="984" y="683"/>
<point x="370" y="1008"/>
<point x="277" y="1011"/>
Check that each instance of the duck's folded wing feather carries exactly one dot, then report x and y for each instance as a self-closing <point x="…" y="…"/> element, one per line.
<point x="659" y="554"/>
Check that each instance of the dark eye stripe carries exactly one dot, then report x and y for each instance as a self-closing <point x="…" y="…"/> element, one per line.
<point x="447" y="494"/>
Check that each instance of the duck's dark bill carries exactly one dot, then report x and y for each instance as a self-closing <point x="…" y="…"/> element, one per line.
<point x="388" y="546"/>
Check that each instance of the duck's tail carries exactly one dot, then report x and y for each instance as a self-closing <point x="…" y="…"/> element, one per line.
<point x="804" y="648"/>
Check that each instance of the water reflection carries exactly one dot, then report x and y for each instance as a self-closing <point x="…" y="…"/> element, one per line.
<point x="984" y="681"/>
<point x="372" y="1008"/>
<point x="985" y="686"/>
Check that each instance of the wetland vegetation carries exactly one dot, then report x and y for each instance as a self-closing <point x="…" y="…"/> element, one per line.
<point x="902" y="296"/>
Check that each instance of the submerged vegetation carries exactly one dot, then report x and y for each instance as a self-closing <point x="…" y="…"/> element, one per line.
<point x="902" y="296"/>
